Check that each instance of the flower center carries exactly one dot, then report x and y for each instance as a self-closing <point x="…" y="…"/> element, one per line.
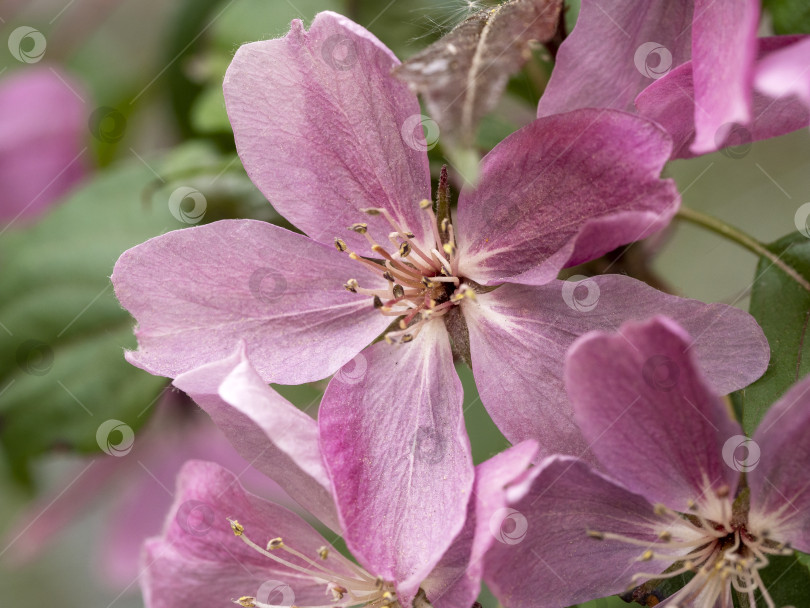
<point x="721" y="553"/>
<point x="358" y="588"/>
<point x="422" y="284"/>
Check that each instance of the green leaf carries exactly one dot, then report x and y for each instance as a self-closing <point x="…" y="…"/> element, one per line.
<point x="789" y="16"/>
<point x="782" y="307"/>
<point x="62" y="369"/>
<point x="208" y="112"/>
<point x="787" y="580"/>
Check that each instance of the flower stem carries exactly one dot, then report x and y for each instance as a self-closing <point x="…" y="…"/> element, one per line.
<point x="741" y="238"/>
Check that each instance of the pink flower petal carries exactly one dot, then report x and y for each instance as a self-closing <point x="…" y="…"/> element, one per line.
<point x="604" y="64"/>
<point x="786" y="72"/>
<point x="553" y="562"/>
<point x="455" y="582"/>
<point x="561" y="191"/>
<point x="776" y="467"/>
<point x="322" y="128"/>
<point x="42" y="125"/>
<point x="649" y="416"/>
<point x="519" y="336"/>
<point x="199" y="562"/>
<point x="197" y="292"/>
<point x="724" y="46"/>
<point x="267" y="430"/>
<point x="396" y="448"/>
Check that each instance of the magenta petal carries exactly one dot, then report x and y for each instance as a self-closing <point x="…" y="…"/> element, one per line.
<point x="604" y="64"/>
<point x="268" y="431"/>
<point x="784" y="72"/>
<point x="671" y="103"/>
<point x="42" y="126"/>
<point x="553" y="562"/>
<point x="321" y="128"/>
<point x="197" y="292"/>
<point x="561" y="191"/>
<point x="455" y="582"/>
<point x="776" y="467"/>
<point x="519" y="336"/>
<point x="199" y="562"/>
<point x="397" y="451"/>
<point x="648" y="414"/>
<point x="724" y="46"/>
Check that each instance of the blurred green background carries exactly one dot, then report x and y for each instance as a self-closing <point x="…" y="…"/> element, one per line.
<point x="160" y="65"/>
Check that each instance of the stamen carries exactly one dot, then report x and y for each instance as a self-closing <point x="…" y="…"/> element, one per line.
<point x="359" y="227"/>
<point x="340" y="244"/>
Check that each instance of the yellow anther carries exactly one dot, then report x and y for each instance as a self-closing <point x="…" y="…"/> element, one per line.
<point x="238" y="529"/>
<point x="449" y="248"/>
<point x="405" y="249"/>
<point x="351" y="285"/>
<point x="665" y="536"/>
<point x="407" y="338"/>
<point x="398" y="290"/>
<point x="340" y="244"/>
<point x="596" y="535"/>
<point x="353" y="255"/>
<point x="660" y="509"/>
<point x="378" y="582"/>
<point x="359" y="227"/>
<point x="275" y="543"/>
<point x="246" y="601"/>
<point x="323" y="552"/>
<point x="646" y="556"/>
<point x="402" y="324"/>
<point x="691" y="505"/>
<point x="338" y="592"/>
<point x="371" y="211"/>
<point x="388" y="276"/>
<point x="445" y="225"/>
<point x="425" y="203"/>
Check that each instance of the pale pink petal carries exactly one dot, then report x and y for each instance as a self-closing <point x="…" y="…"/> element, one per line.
<point x="724" y="46"/>
<point x="268" y="431"/>
<point x="561" y="191"/>
<point x="396" y="448"/>
<point x="671" y="103"/>
<point x="519" y="336"/>
<point x="197" y="292"/>
<point x="199" y="562"/>
<point x="42" y="126"/>
<point x="455" y="582"/>
<point x="786" y="72"/>
<point x="321" y="127"/>
<point x="553" y="562"/>
<point x="614" y="51"/>
<point x="776" y="465"/>
<point x="649" y="416"/>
